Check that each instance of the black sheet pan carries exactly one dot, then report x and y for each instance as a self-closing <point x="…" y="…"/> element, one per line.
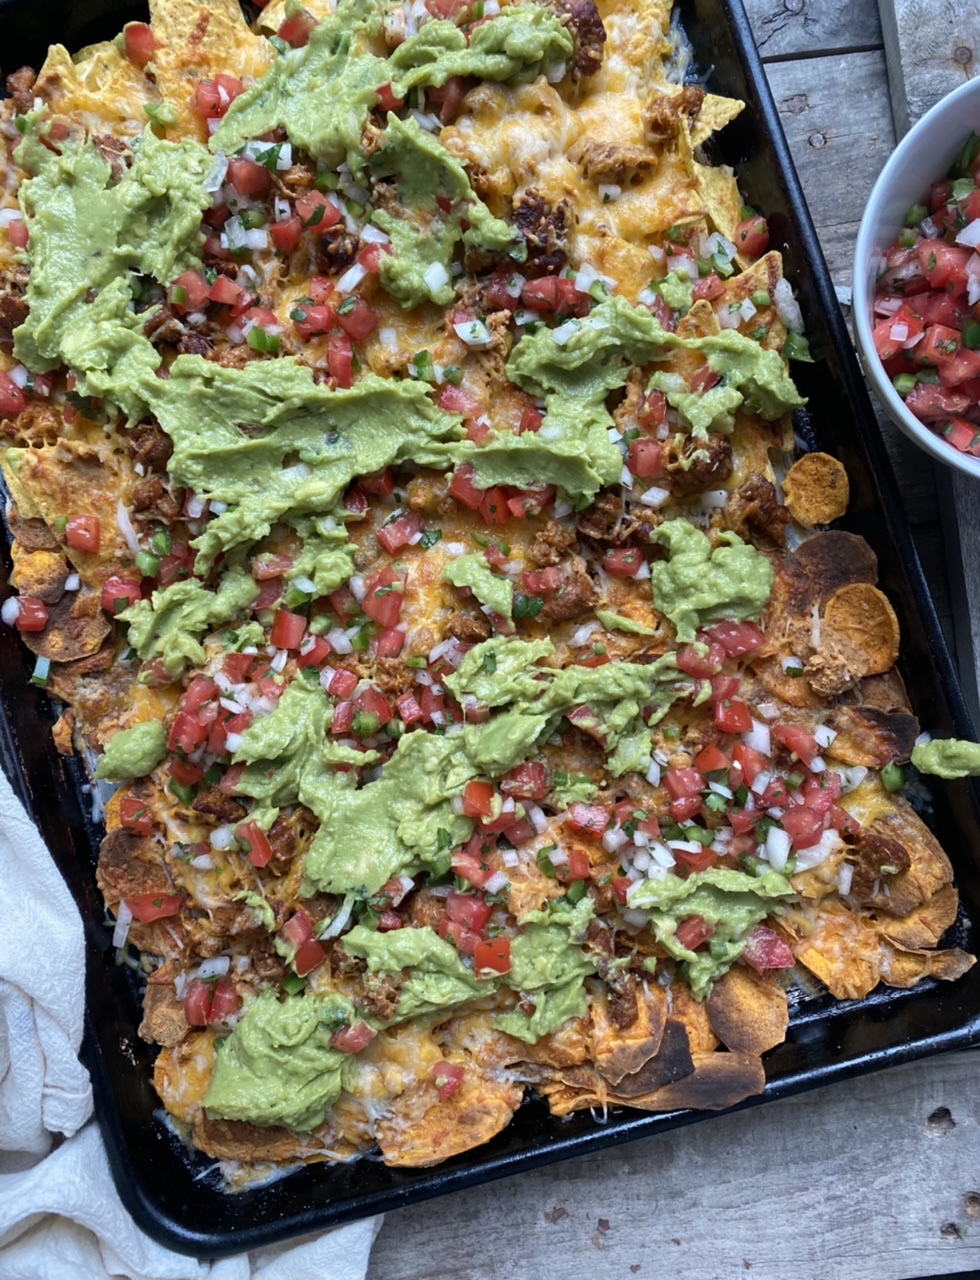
<point x="175" y="1196"/>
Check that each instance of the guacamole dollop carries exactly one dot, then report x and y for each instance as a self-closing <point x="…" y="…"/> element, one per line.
<point x="278" y="1067"/>
<point x="436" y="976"/>
<point x="734" y="902"/>
<point x="132" y="753"/>
<point x="699" y="585"/>
<point x="948" y="758"/>
<point x="490" y="588"/>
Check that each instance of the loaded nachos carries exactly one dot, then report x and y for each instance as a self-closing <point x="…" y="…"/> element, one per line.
<point x="396" y="425"/>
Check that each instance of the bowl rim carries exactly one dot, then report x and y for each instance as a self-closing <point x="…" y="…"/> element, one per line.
<point x="860" y="300"/>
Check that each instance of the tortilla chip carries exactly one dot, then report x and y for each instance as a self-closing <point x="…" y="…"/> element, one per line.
<point x="843" y="952"/>
<point x="620" y="1052"/>
<point x="904" y="968"/>
<point x="924" y="925"/>
<point x="816" y="489"/>
<point x="102" y="86"/>
<point x="672" y="1061"/>
<point x="181" y="1075"/>
<point x="864" y="616"/>
<point x="715" y="113"/>
<point x="76" y="627"/>
<point x="420" y="1130"/>
<point x="194" y="42"/>
<point x="720" y="198"/>
<point x="699" y="322"/>
<point x="759" y="276"/>
<point x="747" y="1011"/>
<point x="719" y="1080"/>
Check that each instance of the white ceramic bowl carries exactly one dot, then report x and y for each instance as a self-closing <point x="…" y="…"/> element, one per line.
<point x="923" y="156"/>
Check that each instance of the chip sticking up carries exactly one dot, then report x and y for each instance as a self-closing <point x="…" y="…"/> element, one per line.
<point x="816" y="489"/>
<point x="862" y="614"/>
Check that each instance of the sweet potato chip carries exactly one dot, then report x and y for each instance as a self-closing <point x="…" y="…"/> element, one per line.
<point x="420" y="1130"/>
<point x="863" y="615"/>
<point x="870" y="736"/>
<point x="843" y="952"/>
<point x="76" y="627"/>
<point x="719" y="1080"/>
<point x="39" y="573"/>
<point x="837" y="665"/>
<point x="904" y="968"/>
<point x="618" y="1052"/>
<point x="924" y="925"/>
<point x="748" y="1012"/>
<point x="816" y="489"/>
<point x="672" y="1061"/>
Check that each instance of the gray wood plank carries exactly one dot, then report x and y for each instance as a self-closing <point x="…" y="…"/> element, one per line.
<point x="850" y="1181"/>
<point x="838" y="123"/>
<point x="932" y="47"/>
<point x="791" y="28"/>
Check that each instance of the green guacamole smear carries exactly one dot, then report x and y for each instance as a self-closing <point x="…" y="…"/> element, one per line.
<point x="733" y="901"/>
<point x="490" y="588"/>
<point x="947" y="758"/>
<point x="132" y="753"/>
<point x="437" y="979"/>
<point x="696" y="585"/>
<point x="278" y="1067"/>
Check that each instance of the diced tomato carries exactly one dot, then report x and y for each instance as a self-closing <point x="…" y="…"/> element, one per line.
<point x="340" y="359"/>
<point x="944" y="265"/>
<point x="186" y="772"/>
<point x="520" y="833"/>
<point x="531" y="419"/>
<point x="297" y="29"/>
<point x="18" y="236"/>
<point x="200" y="690"/>
<point x="803" y="826"/>
<point x="316" y="211"/>
<point x="447" y="97"/>
<point x="446" y="1076"/>
<point x="135" y="816"/>
<point x="458" y="400"/>
<point x="542" y="582"/>
<point x="470" y="864"/>
<point x="353" y="1038"/>
<point x="737" y="638"/>
<point x="699" y="861"/>
<point x="381" y="484"/>
<point x="623" y="562"/>
<point x="267" y="566"/>
<point x="556" y="296"/>
<point x="478" y="798"/>
<point x="468" y="909"/>
<point x="798" y="740"/>
<point x="409" y="709"/>
<point x="147" y="907"/>
<point x="492" y="955"/>
<point x="732" y="716"/>
<point x="225" y="1002"/>
<point x="704" y="379"/>
<point x="684" y="782"/>
<point x="776" y="793"/>
<point x="493" y="505"/>
<point x="342" y="684"/>
<point x="255" y="842"/>
<point x="752" y="237"/>
<point x="186" y="733"/>
<point x="357" y="321"/>
<point x="711" y="759"/>
<point x="645" y="459"/>
<point x="462" y="488"/>
<point x="587" y="820"/>
<point x="400" y="532"/>
<point x="190" y="291"/>
<point x="12" y="398"/>
<point x="248" y="177"/>
<point x="139" y="43"/>
<point x="432" y="704"/>
<point x="197" y="1003"/>
<point x="228" y="785"/>
<point x="212" y="98"/>
<point x="389" y="920"/>
<point x="685" y="808"/>
<point x="288" y="630"/>
<point x="621" y="886"/>
<point x="843" y="821"/>
<point x="693" y="931"/>
<point x="577" y="867"/>
<point x="742" y="820"/>
<point x="343" y="719"/>
<point x="286" y="235"/>
<point x="531" y="502"/>
<point x="704" y="666"/>
<point x="822" y="791"/>
<point x="308" y="955"/>
<point x="964" y="366"/>
<point x="389" y="642"/>
<point x="387" y="99"/>
<point x="226" y="292"/>
<point x="723" y="687"/>
<point x="463" y="939"/>
<point x="530" y="781"/>
<point x="939" y="346"/>
<point x="962" y="435"/>
<point x="497" y="295"/>
<point x="119" y="594"/>
<point x="178" y="565"/>
<point x="84" y="533"/>
<point x="765" y="949"/>
<point x="710" y="287"/>
<point x="384" y="597"/>
<point x="269" y="592"/>
<point x="653" y="411"/>
<point x="372" y="702"/>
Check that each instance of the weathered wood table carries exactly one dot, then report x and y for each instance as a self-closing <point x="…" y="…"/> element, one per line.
<point x="874" y="1179"/>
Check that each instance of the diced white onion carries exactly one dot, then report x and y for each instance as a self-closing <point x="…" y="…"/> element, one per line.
<point x="636" y="918"/>
<point x="791" y="663"/>
<point x="970" y="235"/>
<point x="339" y="641"/>
<point x="721" y="790"/>
<point x="339" y="920"/>
<point x="655" y="497"/>
<point x="73" y="582"/>
<point x="898" y="332"/>
<point x="233" y="743"/>
<point x="278" y="663"/>
<point x="713" y="499"/>
<point x="358" y="587"/>
<point x="214" y="968"/>
<point x="554" y="72"/>
<point x="351" y="278"/>
<point x="818" y="765"/>
<point x="824" y="735"/>
<point x="583" y="634"/>
<point x="10" y="610"/>
<point x="762" y="780"/>
<point x="819" y="852"/>
<point x="124" y="918"/>
<point x="223" y="837"/>
<point x="777" y="848"/>
<point x="653" y="774"/>
<point x="474" y="333"/>
<point x="216" y="177"/>
<point x="425" y="120"/>
<point x="815" y="626"/>
<point x="497" y="882"/>
<point x="436" y="277"/>
<point x="559" y="857"/>
<point x="787" y="308"/>
<point x="852" y="777"/>
<point x="614" y="839"/>
<point x="19" y="375"/>
<point x="388" y="339"/>
<point x="510" y="858"/>
<point x="661" y="854"/>
<point x="845" y="874"/>
<point x="758" y="738"/>
<point x="126" y="528"/>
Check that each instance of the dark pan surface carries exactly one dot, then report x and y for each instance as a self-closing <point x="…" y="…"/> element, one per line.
<point x="170" y="1193"/>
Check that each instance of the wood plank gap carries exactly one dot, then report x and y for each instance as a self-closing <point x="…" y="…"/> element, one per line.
<point x="768" y="59"/>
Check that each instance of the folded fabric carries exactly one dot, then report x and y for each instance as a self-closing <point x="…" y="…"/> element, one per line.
<point x="60" y="1215"/>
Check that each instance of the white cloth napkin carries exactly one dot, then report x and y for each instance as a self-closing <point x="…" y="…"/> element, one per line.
<point x="60" y="1216"/>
